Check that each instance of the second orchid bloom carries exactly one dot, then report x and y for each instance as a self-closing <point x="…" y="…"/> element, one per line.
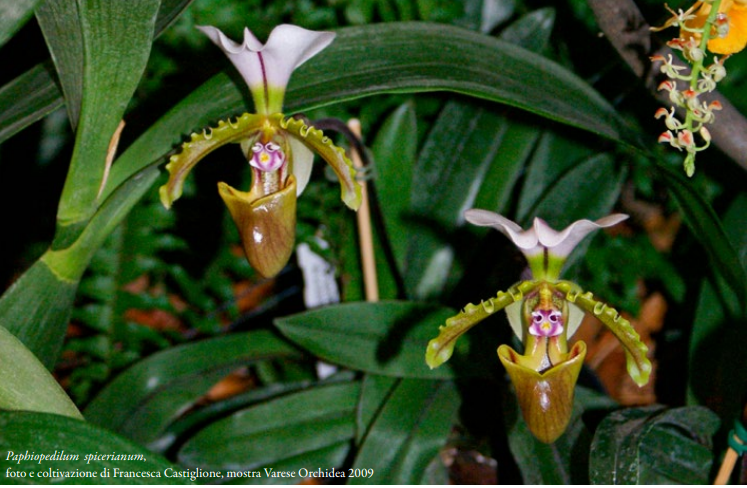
<point x="279" y="150"/>
<point x="544" y="313"/>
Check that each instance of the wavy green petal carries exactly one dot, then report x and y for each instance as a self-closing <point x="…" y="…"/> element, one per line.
<point x="335" y="156"/>
<point x="639" y="366"/>
<point x="201" y="144"/>
<point x="441" y="348"/>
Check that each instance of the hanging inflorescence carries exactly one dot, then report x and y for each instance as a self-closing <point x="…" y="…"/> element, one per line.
<point x="707" y="29"/>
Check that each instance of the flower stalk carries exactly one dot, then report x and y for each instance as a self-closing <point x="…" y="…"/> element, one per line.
<point x="707" y="29"/>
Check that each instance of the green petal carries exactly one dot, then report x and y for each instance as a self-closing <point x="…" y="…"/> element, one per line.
<point x="315" y="140"/>
<point x="201" y="144"/>
<point x="639" y="366"/>
<point x="440" y="349"/>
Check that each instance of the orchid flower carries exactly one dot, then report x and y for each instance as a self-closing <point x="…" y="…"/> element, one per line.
<point x="544" y="313"/>
<point x="279" y="150"/>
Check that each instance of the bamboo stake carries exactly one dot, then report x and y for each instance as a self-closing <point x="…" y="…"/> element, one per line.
<point x="730" y="459"/>
<point x="365" y="234"/>
<point x="727" y="466"/>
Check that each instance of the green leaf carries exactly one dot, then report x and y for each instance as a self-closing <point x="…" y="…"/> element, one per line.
<point x="169" y="11"/>
<point x="375" y="390"/>
<point x="202" y="107"/>
<point x="532" y="31"/>
<point x="26" y="384"/>
<point x="394" y="151"/>
<point x="706" y="227"/>
<point x="415" y="56"/>
<point x="387" y="338"/>
<point x="37" y="306"/>
<point x="545" y="168"/>
<point x="716" y="358"/>
<point x="35" y="93"/>
<point x="116" y="40"/>
<point x="36" y="309"/>
<point x="70" y="441"/>
<point x="13" y="14"/>
<point x="463" y="62"/>
<point x="408" y="432"/>
<point x="286" y="433"/>
<point x="518" y="140"/>
<point x="462" y="145"/>
<point x="186" y="425"/>
<point x="27" y="99"/>
<point x="145" y="399"/>
<point x="654" y="446"/>
<point x="60" y="23"/>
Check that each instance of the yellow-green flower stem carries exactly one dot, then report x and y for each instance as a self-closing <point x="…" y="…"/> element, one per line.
<point x="639" y="366"/>
<point x="697" y="67"/>
<point x="546" y="266"/>
<point x="441" y="348"/>
<point x="267" y="99"/>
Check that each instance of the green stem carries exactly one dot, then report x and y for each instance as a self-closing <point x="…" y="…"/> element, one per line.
<point x="697" y="67"/>
<point x="705" y="37"/>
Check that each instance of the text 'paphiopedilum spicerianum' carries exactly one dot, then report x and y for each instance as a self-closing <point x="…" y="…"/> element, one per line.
<point x="544" y="313"/>
<point x="280" y="150"/>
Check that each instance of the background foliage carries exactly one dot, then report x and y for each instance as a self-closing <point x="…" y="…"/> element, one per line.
<point x="168" y="343"/>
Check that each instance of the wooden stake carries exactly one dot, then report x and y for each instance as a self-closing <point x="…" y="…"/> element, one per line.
<point x="727" y="466"/>
<point x="730" y="459"/>
<point x="365" y="234"/>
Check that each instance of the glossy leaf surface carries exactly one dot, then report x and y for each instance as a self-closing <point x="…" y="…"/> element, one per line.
<point x="35" y="93"/>
<point x="25" y="384"/>
<point x="461" y="147"/>
<point x="465" y="63"/>
<point x="408" y="432"/>
<point x="285" y="433"/>
<point x="375" y="390"/>
<point x="146" y="398"/>
<point x="654" y="446"/>
<point x="394" y="151"/>
<point x="386" y="338"/>
<point x="109" y="30"/>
